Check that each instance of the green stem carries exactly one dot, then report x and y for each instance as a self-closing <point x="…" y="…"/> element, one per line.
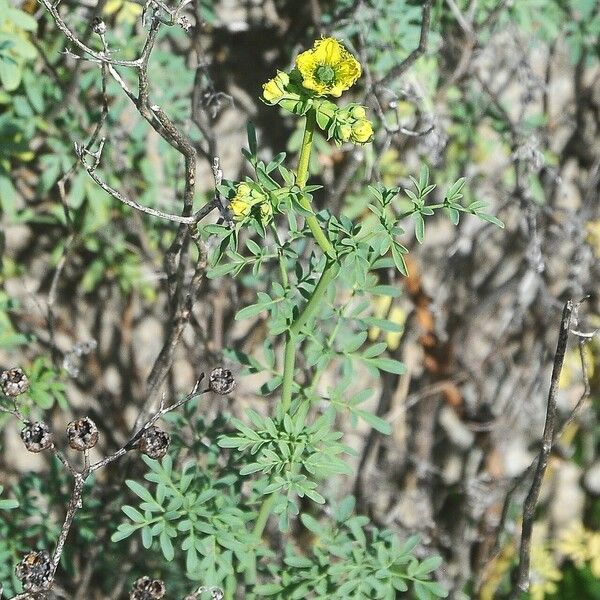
<point x="311" y="308"/>
<point x="302" y="178"/>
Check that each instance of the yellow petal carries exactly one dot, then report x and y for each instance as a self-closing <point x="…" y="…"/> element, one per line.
<point x="328" y="51"/>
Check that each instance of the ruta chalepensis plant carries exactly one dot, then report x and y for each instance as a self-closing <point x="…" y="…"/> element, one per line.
<point x="318" y="302"/>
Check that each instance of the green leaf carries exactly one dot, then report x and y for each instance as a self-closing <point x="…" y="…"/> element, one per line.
<point x="374" y="421"/>
<point x="166" y="546"/>
<point x="419" y="227"/>
<point x="389" y="365"/>
<point x="252" y="142"/>
<point x="140" y="490"/>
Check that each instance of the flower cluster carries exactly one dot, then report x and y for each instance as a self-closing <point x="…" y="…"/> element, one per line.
<point x="251" y="201"/>
<point x="347" y="124"/>
<point x="328" y="69"/>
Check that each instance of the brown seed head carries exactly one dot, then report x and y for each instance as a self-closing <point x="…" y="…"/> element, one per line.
<point x="154" y="442"/>
<point x="36" y="436"/>
<point x="35" y="571"/>
<point x="13" y="382"/>
<point x="82" y="434"/>
<point x="147" y="589"/>
<point x="221" y="381"/>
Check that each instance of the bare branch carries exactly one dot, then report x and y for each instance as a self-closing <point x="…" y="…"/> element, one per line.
<point x="402" y="67"/>
<point x="522" y="580"/>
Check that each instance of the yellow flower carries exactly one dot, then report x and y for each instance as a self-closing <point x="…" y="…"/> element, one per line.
<point x="266" y="212"/>
<point x="345" y="132"/>
<point x="594" y="553"/>
<point x="574" y="544"/>
<point x="242" y="202"/>
<point x="358" y="112"/>
<point x="127" y="12"/>
<point x="362" y="132"/>
<point x="274" y="89"/>
<point x="544" y="572"/>
<point x="240" y="209"/>
<point x="593" y="236"/>
<point x="328" y="69"/>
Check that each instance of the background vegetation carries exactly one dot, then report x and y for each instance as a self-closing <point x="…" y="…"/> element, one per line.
<point x="426" y="392"/>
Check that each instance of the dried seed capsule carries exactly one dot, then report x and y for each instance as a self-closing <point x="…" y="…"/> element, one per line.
<point x="147" y="589"/>
<point x="154" y="442"/>
<point x="13" y="382"/>
<point x="98" y="26"/>
<point x="82" y="434"/>
<point x="184" y="23"/>
<point x="221" y="381"/>
<point x="36" y="436"/>
<point x="35" y="571"/>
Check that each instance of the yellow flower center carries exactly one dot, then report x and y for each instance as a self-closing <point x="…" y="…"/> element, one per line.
<point x="325" y="74"/>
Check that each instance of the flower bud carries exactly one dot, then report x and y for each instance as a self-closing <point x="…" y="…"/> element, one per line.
<point x="358" y="112"/>
<point x="13" y="382"/>
<point x="35" y="571"/>
<point x="274" y="89"/>
<point x="221" y="381"/>
<point x="266" y="212"/>
<point x="344" y="132"/>
<point x="154" y="443"/>
<point x="147" y="589"/>
<point x="82" y="434"/>
<point x="36" y="436"/>
<point x="362" y="132"/>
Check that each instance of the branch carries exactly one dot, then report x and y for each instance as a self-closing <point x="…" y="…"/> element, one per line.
<point x="522" y="580"/>
<point x="416" y="53"/>
<point x="91" y="170"/>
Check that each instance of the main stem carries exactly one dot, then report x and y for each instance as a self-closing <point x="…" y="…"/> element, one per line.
<point x="312" y="306"/>
<point x="302" y="178"/>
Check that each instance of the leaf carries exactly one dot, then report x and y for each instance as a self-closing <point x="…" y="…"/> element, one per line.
<point x="453" y="192"/>
<point x="419" y="227"/>
<point x="135" y="515"/>
<point x="123" y="531"/>
<point x="389" y="365"/>
<point x="8" y="504"/>
<point x="491" y="219"/>
<point x="374" y="421"/>
<point x="166" y="546"/>
<point x="252" y="143"/>
<point x="140" y="490"/>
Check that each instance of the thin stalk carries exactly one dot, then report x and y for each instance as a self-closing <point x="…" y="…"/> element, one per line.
<point x="302" y="178"/>
<point x="311" y="308"/>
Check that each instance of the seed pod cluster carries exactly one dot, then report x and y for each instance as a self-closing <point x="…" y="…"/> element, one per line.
<point x="147" y="589"/>
<point x="13" y="382"/>
<point x="82" y="434"/>
<point x="36" y="436"/>
<point x="154" y="442"/>
<point x="35" y="571"/>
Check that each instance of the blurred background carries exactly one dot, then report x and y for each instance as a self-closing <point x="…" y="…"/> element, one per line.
<point x="506" y="94"/>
